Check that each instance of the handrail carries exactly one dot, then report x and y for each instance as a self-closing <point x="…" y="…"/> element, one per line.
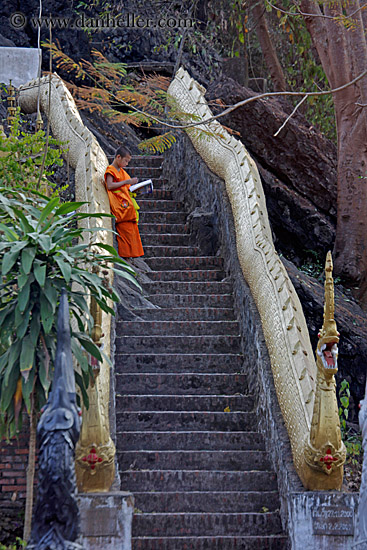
<point x="284" y="326"/>
<point x="95" y="452"/>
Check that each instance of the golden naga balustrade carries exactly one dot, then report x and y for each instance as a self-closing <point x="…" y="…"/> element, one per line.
<point x="284" y="326"/>
<point x="312" y="424"/>
<point x="95" y="452"/>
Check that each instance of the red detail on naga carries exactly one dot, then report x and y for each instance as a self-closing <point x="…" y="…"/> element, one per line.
<point x="92" y="458"/>
<point x="328" y="459"/>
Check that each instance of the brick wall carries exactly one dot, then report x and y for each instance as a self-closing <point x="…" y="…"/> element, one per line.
<point x="13" y="467"/>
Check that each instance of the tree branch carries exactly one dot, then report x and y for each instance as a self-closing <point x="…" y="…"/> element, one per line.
<point x="290" y="116"/>
<point x="245" y="102"/>
<point x="324" y="16"/>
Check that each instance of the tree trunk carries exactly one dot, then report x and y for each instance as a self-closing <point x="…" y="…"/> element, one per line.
<point x="267" y="47"/>
<point x="343" y="55"/>
<point x="30" y="472"/>
<point x="350" y="249"/>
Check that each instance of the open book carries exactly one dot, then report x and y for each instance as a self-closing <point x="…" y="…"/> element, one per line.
<point x="142" y="187"/>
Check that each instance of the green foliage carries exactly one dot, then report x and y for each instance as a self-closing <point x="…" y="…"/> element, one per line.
<point x="352" y="439"/>
<point x="38" y="257"/>
<point x="157" y="144"/>
<point x="17" y="545"/>
<point x="21" y="157"/>
<point x="313" y="266"/>
<point x="302" y="67"/>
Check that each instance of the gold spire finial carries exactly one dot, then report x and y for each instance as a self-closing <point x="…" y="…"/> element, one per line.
<point x="39" y="122"/>
<point x="11" y="103"/>
<point x="329" y="331"/>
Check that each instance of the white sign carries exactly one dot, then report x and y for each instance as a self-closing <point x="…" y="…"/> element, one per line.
<point x="18" y="65"/>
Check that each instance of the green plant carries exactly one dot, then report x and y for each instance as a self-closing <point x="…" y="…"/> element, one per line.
<point x="344" y="395"/>
<point x="21" y="156"/>
<point x="17" y="545"/>
<point x="39" y="255"/>
<point x="351" y="438"/>
<point x="314" y="266"/>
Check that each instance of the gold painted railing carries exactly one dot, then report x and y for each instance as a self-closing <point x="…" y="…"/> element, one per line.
<point x="95" y="453"/>
<point x="284" y="326"/>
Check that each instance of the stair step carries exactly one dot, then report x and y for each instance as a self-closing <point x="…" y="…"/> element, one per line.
<point x="170" y="251"/>
<point x="177" y="344"/>
<point x="146" y="160"/>
<point x="187" y="287"/>
<point x="270" y="542"/>
<point x="184" y="420"/>
<point x="160" y="193"/>
<point x="184" y="403"/>
<point x="162" y="227"/>
<point x="197" y="480"/>
<point x="166" y="239"/>
<point x="168" y="362"/>
<point x="181" y="384"/>
<point x="149" y="205"/>
<point x="182" y="314"/>
<point x="186" y="275"/>
<point x="195" y="262"/>
<point x="162" y="217"/>
<point x="197" y="501"/>
<point x="194" y="460"/>
<point x="191" y="440"/>
<point x="194" y="300"/>
<point x="199" y="524"/>
<point x="144" y="172"/>
<point x="174" y="328"/>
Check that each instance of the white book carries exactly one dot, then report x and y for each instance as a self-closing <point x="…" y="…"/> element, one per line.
<point x="144" y="186"/>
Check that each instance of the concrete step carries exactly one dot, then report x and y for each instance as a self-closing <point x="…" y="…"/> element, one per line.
<point x="144" y="172"/>
<point x="162" y="228"/>
<point x="186" y="275"/>
<point x="210" y="524"/>
<point x="196" y="480"/>
<point x="149" y="205"/>
<point x="182" y="314"/>
<point x="170" y="251"/>
<point x="193" y="300"/>
<point x="187" y="287"/>
<point x="193" y="460"/>
<point x="196" y="501"/>
<point x="174" y="328"/>
<point x="241" y="440"/>
<point x="161" y="217"/>
<point x="184" y="420"/>
<point x="160" y="193"/>
<point x="180" y="263"/>
<point x="181" y="384"/>
<point x="270" y="542"/>
<point x="206" y="403"/>
<point x="189" y="362"/>
<point x="177" y="344"/>
<point x="146" y="160"/>
<point x="166" y="239"/>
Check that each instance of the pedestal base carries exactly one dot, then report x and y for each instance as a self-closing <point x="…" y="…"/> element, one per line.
<point x="106" y="520"/>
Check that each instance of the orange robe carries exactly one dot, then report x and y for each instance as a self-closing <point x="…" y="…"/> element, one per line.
<point x="122" y="207"/>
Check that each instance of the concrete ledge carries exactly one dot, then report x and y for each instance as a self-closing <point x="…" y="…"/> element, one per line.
<point x="106" y="520"/>
<point x="18" y="65"/>
<point x="322" y="521"/>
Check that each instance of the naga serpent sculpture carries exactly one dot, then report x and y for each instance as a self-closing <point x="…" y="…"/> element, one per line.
<point x="296" y="376"/>
<point x="312" y="424"/>
<point x="95" y="452"/>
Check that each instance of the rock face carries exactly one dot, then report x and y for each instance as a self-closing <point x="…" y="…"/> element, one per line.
<point x="298" y="168"/>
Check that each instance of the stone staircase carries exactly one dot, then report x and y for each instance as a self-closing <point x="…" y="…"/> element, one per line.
<point x="187" y="440"/>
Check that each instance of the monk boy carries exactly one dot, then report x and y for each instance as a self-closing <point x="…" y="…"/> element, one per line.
<point x="122" y="206"/>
